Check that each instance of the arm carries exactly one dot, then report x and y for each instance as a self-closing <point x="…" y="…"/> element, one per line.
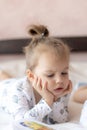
<point x="42" y="90"/>
<point x="60" y="112"/>
<point x="39" y="111"/>
<point x="60" y="106"/>
<point x="21" y="106"/>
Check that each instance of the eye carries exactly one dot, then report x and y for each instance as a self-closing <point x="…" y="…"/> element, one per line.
<point x="64" y="73"/>
<point x="50" y="75"/>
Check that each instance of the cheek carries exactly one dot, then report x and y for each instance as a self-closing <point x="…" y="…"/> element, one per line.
<point x="51" y="84"/>
<point x="66" y="82"/>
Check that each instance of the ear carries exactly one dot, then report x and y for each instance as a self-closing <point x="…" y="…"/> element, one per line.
<point x="30" y="75"/>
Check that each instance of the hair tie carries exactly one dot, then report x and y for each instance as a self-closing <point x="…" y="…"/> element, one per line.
<point x="42" y="35"/>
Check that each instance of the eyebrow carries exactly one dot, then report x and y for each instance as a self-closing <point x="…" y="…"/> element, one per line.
<point x="55" y="71"/>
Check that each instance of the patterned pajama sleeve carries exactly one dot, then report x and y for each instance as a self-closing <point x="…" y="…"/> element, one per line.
<point x="59" y="112"/>
<point x="22" y="105"/>
<point x="39" y="111"/>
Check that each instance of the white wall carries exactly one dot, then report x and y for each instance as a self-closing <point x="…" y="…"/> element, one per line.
<point x="63" y="17"/>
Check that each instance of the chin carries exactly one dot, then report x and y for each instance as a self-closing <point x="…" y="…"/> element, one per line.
<point x="58" y="94"/>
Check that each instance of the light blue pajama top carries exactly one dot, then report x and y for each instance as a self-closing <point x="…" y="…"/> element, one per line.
<point x="17" y="98"/>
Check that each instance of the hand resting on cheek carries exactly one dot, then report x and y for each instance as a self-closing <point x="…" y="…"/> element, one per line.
<point x="41" y="88"/>
<point x="65" y="92"/>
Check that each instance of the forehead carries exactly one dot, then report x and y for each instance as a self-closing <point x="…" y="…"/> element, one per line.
<point x="55" y="52"/>
<point x="48" y="57"/>
<point x="49" y="61"/>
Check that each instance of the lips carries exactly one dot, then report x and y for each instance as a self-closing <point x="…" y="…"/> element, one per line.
<point x="58" y="89"/>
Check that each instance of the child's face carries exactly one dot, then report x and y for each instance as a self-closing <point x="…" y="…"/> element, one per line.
<point x="53" y="70"/>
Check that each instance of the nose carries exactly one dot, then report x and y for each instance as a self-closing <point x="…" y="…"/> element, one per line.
<point x="59" y="79"/>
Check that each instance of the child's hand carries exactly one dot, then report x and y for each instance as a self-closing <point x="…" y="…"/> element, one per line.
<point x="66" y="91"/>
<point x="69" y="88"/>
<point x="43" y="91"/>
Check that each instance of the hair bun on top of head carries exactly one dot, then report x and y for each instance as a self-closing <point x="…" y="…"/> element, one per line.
<point x="38" y="31"/>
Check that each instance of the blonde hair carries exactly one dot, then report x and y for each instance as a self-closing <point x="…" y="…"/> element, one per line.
<point x="42" y="42"/>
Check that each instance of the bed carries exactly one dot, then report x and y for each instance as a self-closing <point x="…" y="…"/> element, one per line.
<point x="14" y="63"/>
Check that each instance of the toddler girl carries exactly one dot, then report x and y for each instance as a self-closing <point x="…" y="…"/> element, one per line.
<point x="43" y="93"/>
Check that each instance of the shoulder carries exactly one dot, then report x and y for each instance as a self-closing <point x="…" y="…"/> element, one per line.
<point x="18" y="84"/>
<point x="23" y="86"/>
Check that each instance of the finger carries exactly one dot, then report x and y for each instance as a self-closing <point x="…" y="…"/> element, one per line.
<point x="67" y="91"/>
<point x="39" y="84"/>
<point x="70" y="86"/>
<point x="35" y="81"/>
<point x="44" y="87"/>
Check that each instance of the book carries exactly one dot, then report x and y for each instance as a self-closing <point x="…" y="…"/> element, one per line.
<point x="30" y="125"/>
<point x="36" y="125"/>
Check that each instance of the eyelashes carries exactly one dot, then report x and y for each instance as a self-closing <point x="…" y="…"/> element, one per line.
<point x="52" y="75"/>
<point x="64" y="73"/>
